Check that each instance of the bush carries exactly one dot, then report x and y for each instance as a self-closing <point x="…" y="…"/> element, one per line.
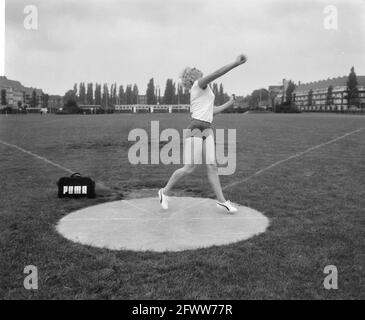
<point x="286" y="107"/>
<point x="7" y="110"/>
<point x="71" y="107"/>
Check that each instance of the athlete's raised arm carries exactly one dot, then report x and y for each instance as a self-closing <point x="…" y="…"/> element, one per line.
<point x="203" y="82"/>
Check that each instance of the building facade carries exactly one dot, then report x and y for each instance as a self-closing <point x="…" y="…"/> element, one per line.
<point x="275" y="95"/>
<point x="316" y="96"/>
<point x="14" y="92"/>
<point x="28" y="96"/>
<point x="142" y="99"/>
<point x="18" y="96"/>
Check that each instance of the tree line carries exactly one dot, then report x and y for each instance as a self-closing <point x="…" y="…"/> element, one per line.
<point x="108" y="96"/>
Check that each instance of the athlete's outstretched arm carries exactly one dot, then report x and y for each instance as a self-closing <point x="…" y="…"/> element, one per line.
<point x="203" y="82"/>
<point x="225" y="106"/>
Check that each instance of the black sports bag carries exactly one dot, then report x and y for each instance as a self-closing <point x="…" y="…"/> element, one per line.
<point x="76" y="186"/>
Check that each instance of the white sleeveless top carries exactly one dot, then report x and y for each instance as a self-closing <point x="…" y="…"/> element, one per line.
<point x="201" y="103"/>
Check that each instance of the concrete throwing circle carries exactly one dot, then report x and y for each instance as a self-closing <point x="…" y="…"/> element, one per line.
<point x="142" y="225"/>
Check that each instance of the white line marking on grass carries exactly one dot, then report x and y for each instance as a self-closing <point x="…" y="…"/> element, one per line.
<point x="37" y="156"/>
<point x="57" y="166"/>
<point x="297" y="155"/>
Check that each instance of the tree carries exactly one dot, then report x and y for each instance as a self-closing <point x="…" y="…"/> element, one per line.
<point x="310" y="98"/>
<point x="186" y="97"/>
<point x="175" y="96"/>
<point x="98" y="94"/>
<point x="329" y="98"/>
<point x="169" y="95"/>
<point x="352" y="90"/>
<point x="114" y="94"/>
<point x="129" y="95"/>
<point x="289" y="92"/>
<point x="105" y="98"/>
<point x="45" y="100"/>
<point x="75" y="90"/>
<point x="150" y="93"/>
<point x="69" y="95"/>
<point x="216" y="93"/>
<point x="71" y="105"/>
<point x="158" y="94"/>
<point x="89" y="94"/>
<point x="3" y="97"/>
<point x="34" y="100"/>
<point x="220" y="99"/>
<point x="258" y="97"/>
<point x="180" y="94"/>
<point x="121" y="95"/>
<point x="82" y="93"/>
<point x="135" y="94"/>
<point x="225" y="98"/>
<point x="111" y="96"/>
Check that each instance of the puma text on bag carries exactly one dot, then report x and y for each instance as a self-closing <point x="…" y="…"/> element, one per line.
<point x="76" y="186"/>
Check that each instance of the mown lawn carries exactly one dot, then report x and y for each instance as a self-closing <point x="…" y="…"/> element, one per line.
<point x="315" y="204"/>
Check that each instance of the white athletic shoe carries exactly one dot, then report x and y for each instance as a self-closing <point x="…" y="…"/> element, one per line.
<point x="163" y="199"/>
<point x="227" y="206"/>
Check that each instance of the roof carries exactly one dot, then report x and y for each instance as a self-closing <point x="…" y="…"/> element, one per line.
<point x="30" y="90"/>
<point x="6" y="83"/>
<point x="334" y="82"/>
<point x="276" y="87"/>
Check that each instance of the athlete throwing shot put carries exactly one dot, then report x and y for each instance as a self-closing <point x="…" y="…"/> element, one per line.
<point x="201" y="138"/>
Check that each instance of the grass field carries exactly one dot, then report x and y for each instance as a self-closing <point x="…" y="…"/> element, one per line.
<point x="315" y="204"/>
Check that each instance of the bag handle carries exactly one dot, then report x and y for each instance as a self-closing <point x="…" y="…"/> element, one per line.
<point x="75" y="174"/>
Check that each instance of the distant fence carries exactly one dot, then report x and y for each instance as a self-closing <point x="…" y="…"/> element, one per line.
<point x="147" y="108"/>
<point x="335" y="110"/>
<point x="359" y="112"/>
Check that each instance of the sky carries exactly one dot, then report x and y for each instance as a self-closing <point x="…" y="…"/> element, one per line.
<point x="131" y="41"/>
